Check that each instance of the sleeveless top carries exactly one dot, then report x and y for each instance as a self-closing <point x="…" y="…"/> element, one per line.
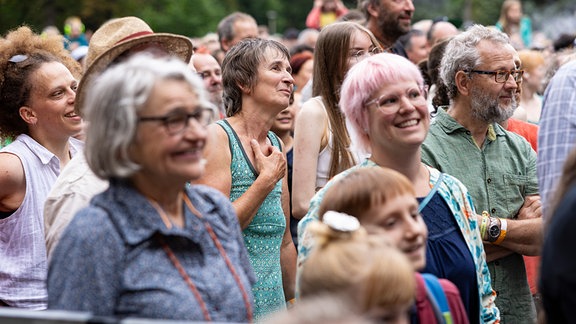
<point x="448" y="256"/>
<point x="23" y="265"/>
<point x="263" y="237"/>
<point x="325" y="155"/>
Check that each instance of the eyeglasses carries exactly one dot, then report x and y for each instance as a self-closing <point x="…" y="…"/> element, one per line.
<point x="175" y="123"/>
<point x="390" y="103"/>
<point x="502" y="76"/>
<point x="18" y="58"/>
<point x="358" y="55"/>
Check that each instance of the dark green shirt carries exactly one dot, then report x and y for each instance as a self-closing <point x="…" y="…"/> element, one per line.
<point x="499" y="175"/>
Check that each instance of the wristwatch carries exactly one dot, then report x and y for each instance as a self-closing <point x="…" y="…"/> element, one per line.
<point x="493" y="232"/>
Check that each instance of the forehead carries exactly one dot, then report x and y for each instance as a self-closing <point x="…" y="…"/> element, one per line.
<point x="50" y="74"/>
<point x="397" y="86"/>
<point x="245" y="28"/>
<point x="169" y="92"/>
<point x="359" y="39"/>
<point x="205" y="62"/>
<point x="496" y="54"/>
<point x="391" y="3"/>
<point x="273" y="55"/>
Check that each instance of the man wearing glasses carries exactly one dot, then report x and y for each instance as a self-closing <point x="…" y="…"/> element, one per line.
<point x="481" y="71"/>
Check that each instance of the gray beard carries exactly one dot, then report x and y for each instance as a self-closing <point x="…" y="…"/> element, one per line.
<point x="488" y="110"/>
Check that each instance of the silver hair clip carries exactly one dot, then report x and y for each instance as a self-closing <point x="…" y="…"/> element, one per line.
<point x="18" y="58"/>
<point x="341" y="222"/>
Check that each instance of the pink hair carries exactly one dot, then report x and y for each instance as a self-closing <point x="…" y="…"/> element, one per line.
<point x="363" y="80"/>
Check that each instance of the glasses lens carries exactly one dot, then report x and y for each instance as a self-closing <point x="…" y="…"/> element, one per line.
<point x="207" y="117"/>
<point x="175" y="124"/>
<point x="502" y="76"/>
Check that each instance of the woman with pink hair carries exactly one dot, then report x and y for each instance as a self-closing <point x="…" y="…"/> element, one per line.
<point x="383" y="99"/>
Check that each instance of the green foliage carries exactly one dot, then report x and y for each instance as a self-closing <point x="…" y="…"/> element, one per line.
<point x="191" y="18"/>
<point x="197" y="17"/>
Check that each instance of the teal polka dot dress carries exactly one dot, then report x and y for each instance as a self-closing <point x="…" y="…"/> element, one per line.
<point x="263" y="236"/>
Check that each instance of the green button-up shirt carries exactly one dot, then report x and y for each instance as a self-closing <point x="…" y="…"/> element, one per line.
<point x="498" y="175"/>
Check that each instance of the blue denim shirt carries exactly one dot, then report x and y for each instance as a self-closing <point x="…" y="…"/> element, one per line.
<point x="109" y="263"/>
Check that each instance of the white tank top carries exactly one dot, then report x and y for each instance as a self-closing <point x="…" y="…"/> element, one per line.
<point x="325" y="155"/>
<point x="23" y="266"/>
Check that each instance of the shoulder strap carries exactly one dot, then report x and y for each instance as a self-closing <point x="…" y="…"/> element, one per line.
<point x="431" y="193"/>
<point x="437" y="298"/>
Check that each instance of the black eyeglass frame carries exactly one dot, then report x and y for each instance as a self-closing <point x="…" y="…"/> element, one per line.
<point x="516" y="74"/>
<point x="177" y="123"/>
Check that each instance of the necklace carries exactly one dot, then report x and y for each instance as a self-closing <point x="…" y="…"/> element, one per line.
<point x="189" y="282"/>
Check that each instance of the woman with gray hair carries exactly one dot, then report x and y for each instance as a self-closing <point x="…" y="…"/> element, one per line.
<point x="151" y="246"/>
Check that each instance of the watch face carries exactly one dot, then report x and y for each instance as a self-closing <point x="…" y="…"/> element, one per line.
<point x="494" y="231"/>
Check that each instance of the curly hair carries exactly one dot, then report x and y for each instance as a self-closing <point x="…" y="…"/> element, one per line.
<point x="15" y="85"/>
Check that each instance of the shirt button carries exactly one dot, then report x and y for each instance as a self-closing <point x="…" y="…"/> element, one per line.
<point x="493" y="210"/>
<point x="497" y="263"/>
<point x="468" y="133"/>
<point x="489" y="180"/>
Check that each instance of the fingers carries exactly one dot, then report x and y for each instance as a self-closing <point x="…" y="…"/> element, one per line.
<point x="256" y="148"/>
<point x="529" y="200"/>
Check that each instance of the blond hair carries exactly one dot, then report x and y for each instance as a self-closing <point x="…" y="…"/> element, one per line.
<point x="362" y="268"/>
<point x="531" y="59"/>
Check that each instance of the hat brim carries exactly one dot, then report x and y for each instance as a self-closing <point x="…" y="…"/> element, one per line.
<point x="176" y="45"/>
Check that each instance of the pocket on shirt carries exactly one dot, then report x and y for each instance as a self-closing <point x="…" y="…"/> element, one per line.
<point x="515" y="191"/>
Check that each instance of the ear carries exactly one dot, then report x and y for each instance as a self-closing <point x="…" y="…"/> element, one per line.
<point x="244" y="88"/>
<point x="371" y="10"/>
<point x="28" y="115"/>
<point x="463" y="83"/>
<point x="225" y="45"/>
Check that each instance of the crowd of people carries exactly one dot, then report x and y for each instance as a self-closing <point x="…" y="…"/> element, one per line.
<point x="368" y="169"/>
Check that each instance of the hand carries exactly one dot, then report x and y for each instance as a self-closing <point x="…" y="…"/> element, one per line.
<point x="271" y="163"/>
<point x="318" y="3"/>
<point x="532" y="208"/>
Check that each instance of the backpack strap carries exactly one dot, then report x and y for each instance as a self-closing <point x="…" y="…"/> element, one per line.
<point x="437" y="298"/>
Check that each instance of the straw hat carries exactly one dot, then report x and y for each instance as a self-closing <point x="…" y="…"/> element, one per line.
<point x="119" y="35"/>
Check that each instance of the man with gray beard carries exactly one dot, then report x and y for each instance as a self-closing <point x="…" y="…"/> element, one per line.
<point x="481" y="71"/>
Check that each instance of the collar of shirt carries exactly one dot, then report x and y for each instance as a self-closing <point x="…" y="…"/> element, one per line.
<point x="450" y="125"/>
<point x="135" y="218"/>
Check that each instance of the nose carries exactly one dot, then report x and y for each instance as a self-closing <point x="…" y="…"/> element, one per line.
<point x="288" y="78"/>
<point x="511" y="82"/>
<point x="409" y="5"/>
<point x="414" y="228"/>
<point x="215" y="79"/>
<point x="406" y="104"/>
<point x="72" y="96"/>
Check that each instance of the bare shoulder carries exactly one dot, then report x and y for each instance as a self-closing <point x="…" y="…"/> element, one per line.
<point x="217" y="143"/>
<point x="313" y="111"/>
<point x="12" y="181"/>
<point x="218" y="160"/>
<point x="11" y="169"/>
